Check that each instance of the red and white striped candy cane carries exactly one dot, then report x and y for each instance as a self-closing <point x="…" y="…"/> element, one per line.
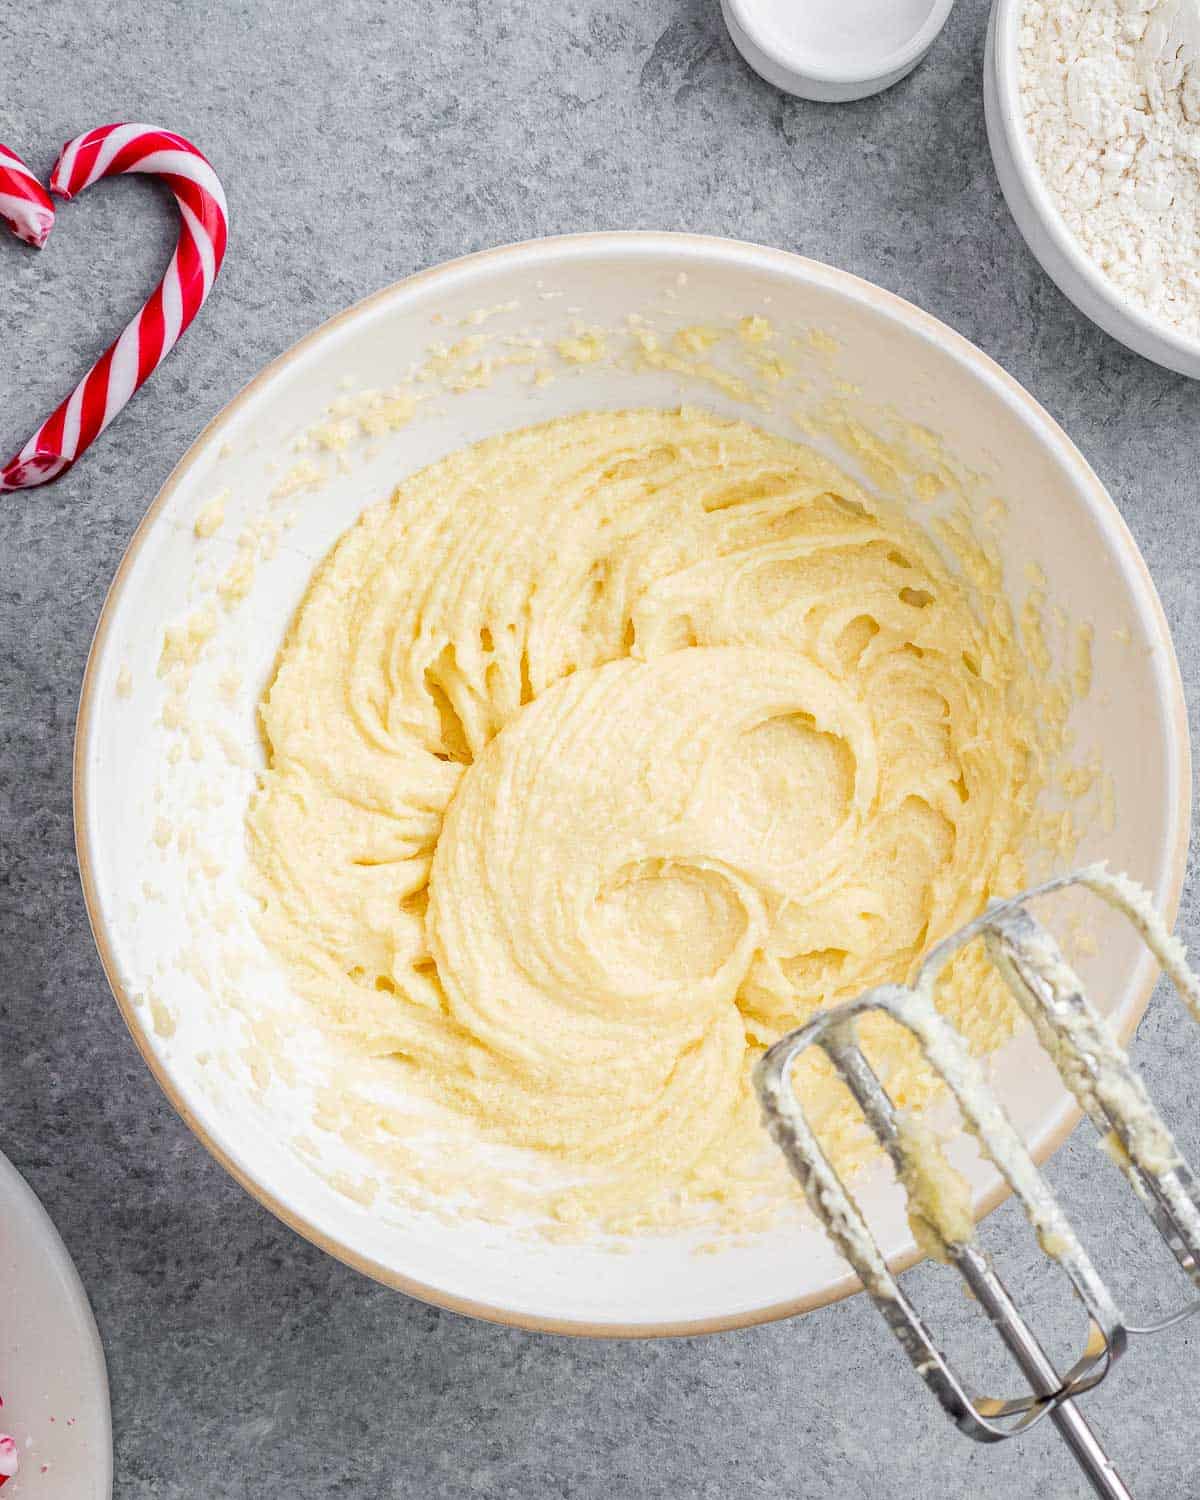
<point x="108" y="152"/>
<point x="25" y="205"/>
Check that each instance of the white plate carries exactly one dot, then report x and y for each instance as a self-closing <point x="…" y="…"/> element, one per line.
<point x="857" y="343"/>
<point x="52" y="1376"/>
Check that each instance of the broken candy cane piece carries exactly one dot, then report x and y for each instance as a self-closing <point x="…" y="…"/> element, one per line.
<point x="9" y="1460"/>
<point x="111" y="151"/>
<point x="25" y="205"/>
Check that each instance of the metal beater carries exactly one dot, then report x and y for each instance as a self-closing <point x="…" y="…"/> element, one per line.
<point x="1094" y="1067"/>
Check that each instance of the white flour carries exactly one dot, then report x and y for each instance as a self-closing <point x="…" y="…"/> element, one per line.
<point x="1111" y="95"/>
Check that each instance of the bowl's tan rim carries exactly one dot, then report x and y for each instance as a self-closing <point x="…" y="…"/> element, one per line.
<point x="1004" y="22"/>
<point x="785" y="261"/>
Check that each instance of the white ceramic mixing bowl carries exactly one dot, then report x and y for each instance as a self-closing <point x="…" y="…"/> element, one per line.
<point x="1045" y="231"/>
<point x="166" y="954"/>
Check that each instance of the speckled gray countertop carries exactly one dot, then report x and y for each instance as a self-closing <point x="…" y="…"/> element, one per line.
<point x="360" y="140"/>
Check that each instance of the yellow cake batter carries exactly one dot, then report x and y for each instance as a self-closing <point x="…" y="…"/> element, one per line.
<point x="610" y="749"/>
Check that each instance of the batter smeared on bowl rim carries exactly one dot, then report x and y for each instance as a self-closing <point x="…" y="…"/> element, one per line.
<point x="610" y="749"/>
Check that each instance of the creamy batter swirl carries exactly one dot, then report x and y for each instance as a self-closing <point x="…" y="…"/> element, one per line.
<point x="610" y="749"/>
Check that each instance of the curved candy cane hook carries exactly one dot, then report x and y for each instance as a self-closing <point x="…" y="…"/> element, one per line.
<point x="108" y="152"/>
<point x="25" y="205"/>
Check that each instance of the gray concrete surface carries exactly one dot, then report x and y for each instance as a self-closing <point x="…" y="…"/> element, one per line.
<point x="360" y="140"/>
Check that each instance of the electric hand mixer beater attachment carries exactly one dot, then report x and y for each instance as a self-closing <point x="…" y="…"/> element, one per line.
<point x="1093" y="1066"/>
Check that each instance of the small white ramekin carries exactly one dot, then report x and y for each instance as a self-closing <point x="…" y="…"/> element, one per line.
<point x="769" y="52"/>
<point x="1046" y="233"/>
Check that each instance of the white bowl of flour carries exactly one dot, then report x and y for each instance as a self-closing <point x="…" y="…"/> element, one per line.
<point x="1093" y="116"/>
